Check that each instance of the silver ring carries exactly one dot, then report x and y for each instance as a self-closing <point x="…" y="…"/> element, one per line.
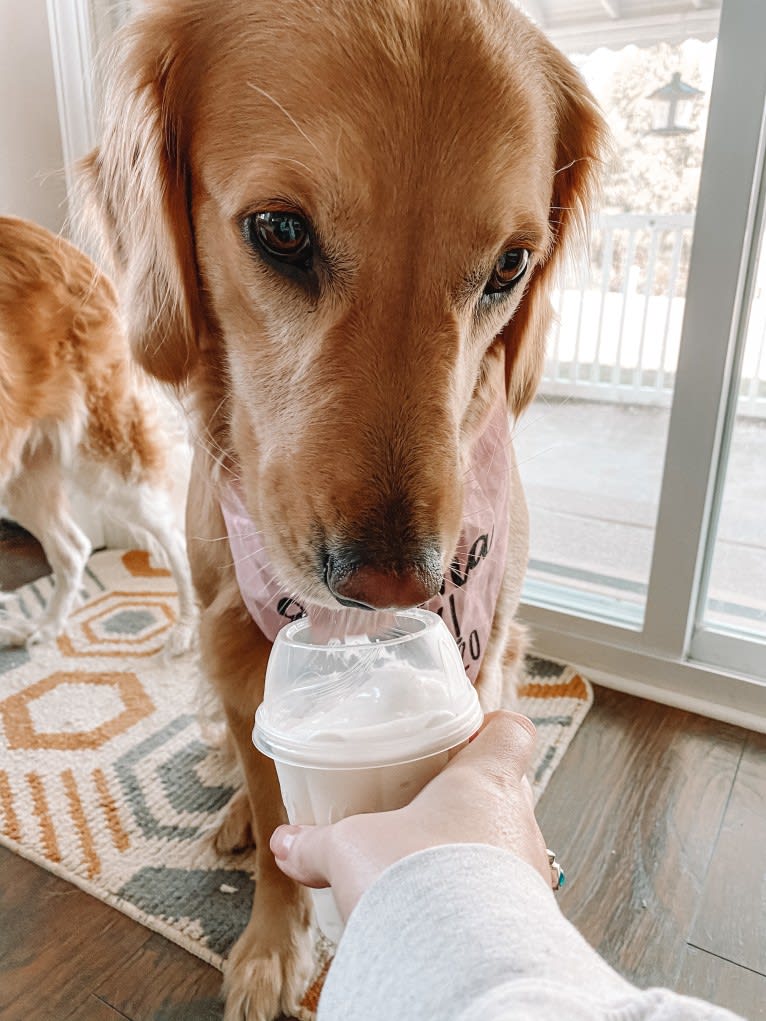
<point x="557" y="873"/>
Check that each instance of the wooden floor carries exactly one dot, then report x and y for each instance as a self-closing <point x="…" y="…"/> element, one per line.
<point x="659" y="817"/>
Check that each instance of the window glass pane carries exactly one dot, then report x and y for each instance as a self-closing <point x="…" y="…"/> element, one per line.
<point x="736" y="596"/>
<point x="591" y="447"/>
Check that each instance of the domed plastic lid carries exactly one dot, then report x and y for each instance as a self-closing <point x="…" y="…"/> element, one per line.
<point x="393" y="696"/>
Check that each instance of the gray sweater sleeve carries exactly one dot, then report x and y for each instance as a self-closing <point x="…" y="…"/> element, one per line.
<point x="466" y="932"/>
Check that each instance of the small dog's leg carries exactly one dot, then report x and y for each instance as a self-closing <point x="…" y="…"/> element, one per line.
<point x="38" y="502"/>
<point x="150" y="509"/>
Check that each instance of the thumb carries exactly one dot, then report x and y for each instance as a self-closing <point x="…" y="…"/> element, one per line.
<point x="301" y="852"/>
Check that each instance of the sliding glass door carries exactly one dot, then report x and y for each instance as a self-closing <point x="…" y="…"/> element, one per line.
<point x="644" y="458"/>
<point x="730" y="627"/>
<point x="593" y="446"/>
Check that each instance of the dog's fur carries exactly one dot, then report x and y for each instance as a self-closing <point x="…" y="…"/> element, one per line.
<point x="421" y="138"/>
<point x="73" y="412"/>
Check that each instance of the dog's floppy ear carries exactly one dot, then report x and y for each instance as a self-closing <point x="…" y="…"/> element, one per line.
<point x="137" y="182"/>
<point x="581" y="144"/>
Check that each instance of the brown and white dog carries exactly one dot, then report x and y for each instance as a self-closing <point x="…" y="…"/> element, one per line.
<point x="73" y="412"/>
<point x="336" y="225"/>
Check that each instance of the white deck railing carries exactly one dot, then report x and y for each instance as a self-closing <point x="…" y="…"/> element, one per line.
<point x="619" y="318"/>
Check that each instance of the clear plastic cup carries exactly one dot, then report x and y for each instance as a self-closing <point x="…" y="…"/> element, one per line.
<point x="361" y="724"/>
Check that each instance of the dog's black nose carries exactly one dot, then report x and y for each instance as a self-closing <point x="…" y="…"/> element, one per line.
<point x="370" y="586"/>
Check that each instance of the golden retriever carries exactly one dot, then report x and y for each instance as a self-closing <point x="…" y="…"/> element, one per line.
<point x="73" y="412"/>
<point x="336" y="225"/>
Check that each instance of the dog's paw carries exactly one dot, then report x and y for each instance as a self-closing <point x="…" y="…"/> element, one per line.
<point x="17" y="632"/>
<point x="180" y="639"/>
<point x="265" y="978"/>
<point x="235" y="832"/>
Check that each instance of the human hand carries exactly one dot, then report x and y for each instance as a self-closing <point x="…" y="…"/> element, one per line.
<point x="481" y="796"/>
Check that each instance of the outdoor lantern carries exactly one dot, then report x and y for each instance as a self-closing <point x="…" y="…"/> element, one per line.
<point x="673" y="104"/>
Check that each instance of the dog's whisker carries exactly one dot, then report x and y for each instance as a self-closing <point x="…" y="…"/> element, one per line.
<point x="203" y="436"/>
<point x="539" y="453"/>
<point x="568" y="166"/>
<point x="290" y="159"/>
<point x="218" y="454"/>
<point x="550" y="409"/>
<point x="250" y="556"/>
<point x="223" y="538"/>
<point x="472" y="514"/>
<point x="238" y="562"/>
<point x="494" y="452"/>
<point x="222" y="459"/>
<point x="470" y="472"/>
<point x="212" y="441"/>
<point x="293" y="121"/>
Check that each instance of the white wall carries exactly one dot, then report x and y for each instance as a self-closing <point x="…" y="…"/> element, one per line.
<point x="32" y="183"/>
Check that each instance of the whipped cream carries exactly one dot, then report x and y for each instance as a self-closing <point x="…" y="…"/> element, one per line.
<point x="390" y="701"/>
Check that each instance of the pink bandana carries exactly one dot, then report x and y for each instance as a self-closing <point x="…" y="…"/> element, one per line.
<point x="471" y="586"/>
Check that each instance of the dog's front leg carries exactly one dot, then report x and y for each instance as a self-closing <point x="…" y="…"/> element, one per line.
<point x="269" y="967"/>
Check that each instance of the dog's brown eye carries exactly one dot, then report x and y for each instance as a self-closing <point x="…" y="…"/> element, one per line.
<point x="282" y="236"/>
<point x="509" y="269"/>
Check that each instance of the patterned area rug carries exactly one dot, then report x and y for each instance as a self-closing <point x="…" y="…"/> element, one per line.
<point x="108" y="779"/>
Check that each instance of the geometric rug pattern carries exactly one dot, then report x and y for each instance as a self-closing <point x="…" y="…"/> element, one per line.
<point x="110" y="779"/>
